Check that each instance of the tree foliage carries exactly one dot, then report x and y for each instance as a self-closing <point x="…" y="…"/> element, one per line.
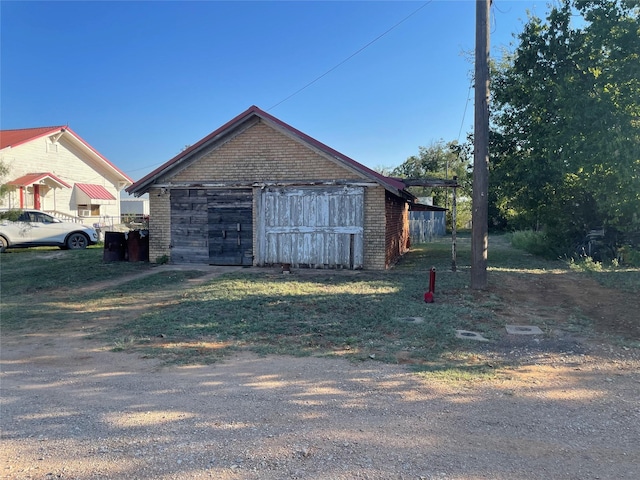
<point x="4" y="188"/>
<point x="565" y="139"/>
<point x="441" y="160"/>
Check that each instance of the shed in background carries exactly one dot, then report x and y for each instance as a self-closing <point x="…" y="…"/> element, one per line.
<point x="426" y="222"/>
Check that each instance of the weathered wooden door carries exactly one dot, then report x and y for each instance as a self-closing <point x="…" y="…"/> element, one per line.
<point x="189" y="229"/>
<point x="317" y="227"/>
<point x="212" y="226"/>
<point x="230" y="220"/>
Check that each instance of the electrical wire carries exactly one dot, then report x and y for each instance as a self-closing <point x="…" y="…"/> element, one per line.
<point x="350" y="56"/>
<point x="464" y="115"/>
<point x="342" y="62"/>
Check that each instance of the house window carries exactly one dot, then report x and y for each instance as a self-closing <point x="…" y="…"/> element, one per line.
<point x="85" y="210"/>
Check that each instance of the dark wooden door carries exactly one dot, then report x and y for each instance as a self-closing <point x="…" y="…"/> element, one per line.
<point x="189" y="226"/>
<point x="230" y="223"/>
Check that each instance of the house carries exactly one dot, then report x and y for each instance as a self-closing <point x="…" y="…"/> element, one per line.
<point x="53" y="169"/>
<point x="256" y="191"/>
<point x="132" y="206"/>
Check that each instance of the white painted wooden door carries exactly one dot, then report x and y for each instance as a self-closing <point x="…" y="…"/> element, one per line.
<point x="316" y="227"/>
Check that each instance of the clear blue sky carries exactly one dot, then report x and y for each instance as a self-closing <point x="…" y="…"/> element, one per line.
<point x="140" y="80"/>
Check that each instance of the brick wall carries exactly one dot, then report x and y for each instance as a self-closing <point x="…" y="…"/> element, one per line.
<point x="397" y="228"/>
<point x="261" y="153"/>
<point x="159" y="224"/>
<point x="374" y="228"/>
<point x="264" y="154"/>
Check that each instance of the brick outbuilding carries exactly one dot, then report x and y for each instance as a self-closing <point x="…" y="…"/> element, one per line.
<point x="258" y="192"/>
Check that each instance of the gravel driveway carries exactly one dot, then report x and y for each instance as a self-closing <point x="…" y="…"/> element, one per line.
<point x="70" y="409"/>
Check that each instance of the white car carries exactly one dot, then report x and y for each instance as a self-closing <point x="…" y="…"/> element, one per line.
<point x="34" y="228"/>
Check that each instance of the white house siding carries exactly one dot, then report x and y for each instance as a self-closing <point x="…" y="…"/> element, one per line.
<point x="66" y="162"/>
<point x="134" y="206"/>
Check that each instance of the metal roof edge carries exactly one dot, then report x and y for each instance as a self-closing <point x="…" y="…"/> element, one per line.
<point x="395" y="186"/>
<point x="45" y="131"/>
<point x="79" y="139"/>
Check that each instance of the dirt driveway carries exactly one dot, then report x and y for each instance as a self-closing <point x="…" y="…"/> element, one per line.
<point x="571" y="410"/>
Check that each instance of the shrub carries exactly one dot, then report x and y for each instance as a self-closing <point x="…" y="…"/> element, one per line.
<point x="586" y="264"/>
<point x="536" y="243"/>
<point x="11" y="215"/>
<point x="162" y="260"/>
<point x="629" y="256"/>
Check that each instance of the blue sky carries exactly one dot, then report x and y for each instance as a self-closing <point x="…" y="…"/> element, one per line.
<point x="141" y="80"/>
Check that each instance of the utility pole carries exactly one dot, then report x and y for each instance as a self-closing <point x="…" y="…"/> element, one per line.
<point x="480" y="213"/>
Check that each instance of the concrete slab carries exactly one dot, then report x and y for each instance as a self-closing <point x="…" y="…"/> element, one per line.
<point x="523" y="330"/>
<point x="468" y="335"/>
<point x="410" y="319"/>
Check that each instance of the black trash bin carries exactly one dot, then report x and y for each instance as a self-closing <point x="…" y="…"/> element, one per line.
<point x="115" y="247"/>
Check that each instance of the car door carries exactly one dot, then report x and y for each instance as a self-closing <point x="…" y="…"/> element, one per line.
<point x="45" y="229"/>
<point x="20" y="230"/>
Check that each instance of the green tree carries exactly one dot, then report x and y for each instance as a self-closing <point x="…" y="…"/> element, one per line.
<point x="441" y="160"/>
<point x="4" y="188"/>
<point x="566" y="122"/>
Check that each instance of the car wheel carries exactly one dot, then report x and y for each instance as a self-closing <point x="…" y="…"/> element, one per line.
<point x="3" y="244"/>
<point x="76" y="241"/>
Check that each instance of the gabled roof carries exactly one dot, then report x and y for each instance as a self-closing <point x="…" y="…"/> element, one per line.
<point x="13" y="138"/>
<point x="43" y="177"/>
<point x="394" y="185"/>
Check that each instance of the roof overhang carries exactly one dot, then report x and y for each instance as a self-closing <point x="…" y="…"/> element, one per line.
<point x="87" y="193"/>
<point x="421" y="207"/>
<point x="115" y="175"/>
<point x="46" y="178"/>
<point x="11" y="139"/>
<point x="430" y="182"/>
<point x="244" y="121"/>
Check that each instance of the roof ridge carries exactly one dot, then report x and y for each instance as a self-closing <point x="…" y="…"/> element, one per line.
<point x="52" y="127"/>
<point x="392" y="184"/>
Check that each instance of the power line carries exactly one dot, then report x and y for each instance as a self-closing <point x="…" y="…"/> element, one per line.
<point x="351" y="56"/>
<point x="464" y="115"/>
<point x="334" y="67"/>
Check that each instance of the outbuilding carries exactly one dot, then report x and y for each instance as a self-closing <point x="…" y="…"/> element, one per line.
<point x="256" y="191"/>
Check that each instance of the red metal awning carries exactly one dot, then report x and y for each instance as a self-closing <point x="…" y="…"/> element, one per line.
<point x="95" y="192"/>
<point x="45" y="178"/>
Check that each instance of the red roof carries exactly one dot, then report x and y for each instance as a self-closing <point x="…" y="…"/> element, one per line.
<point x="13" y="138"/>
<point x="95" y="192"/>
<point x="387" y="182"/>
<point x="31" y="178"/>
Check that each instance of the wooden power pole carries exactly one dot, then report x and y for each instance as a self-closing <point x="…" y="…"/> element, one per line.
<point x="480" y="214"/>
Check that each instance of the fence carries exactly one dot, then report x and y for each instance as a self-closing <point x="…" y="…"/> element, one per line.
<point x="425" y="226"/>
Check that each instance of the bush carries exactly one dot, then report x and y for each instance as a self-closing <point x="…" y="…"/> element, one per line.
<point x="162" y="260"/>
<point x="536" y="243"/>
<point x="629" y="256"/>
<point x="11" y="215"/>
<point x="585" y="264"/>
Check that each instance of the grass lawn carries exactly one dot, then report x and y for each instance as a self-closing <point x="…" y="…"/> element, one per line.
<point x="360" y="315"/>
